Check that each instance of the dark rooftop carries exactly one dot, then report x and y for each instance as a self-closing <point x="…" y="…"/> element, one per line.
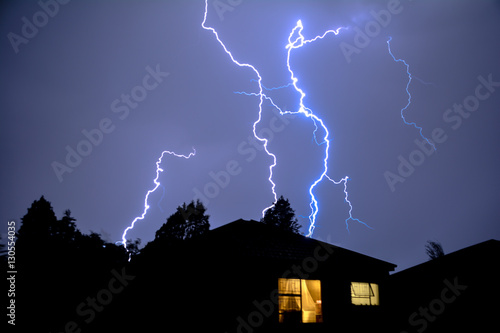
<point x="258" y="240"/>
<point x="473" y="256"/>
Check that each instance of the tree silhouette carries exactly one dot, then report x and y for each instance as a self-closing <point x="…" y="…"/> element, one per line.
<point x="197" y="221"/>
<point x="41" y="258"/>
<point x="189" y="221"/>
<point x="174" y="230"/>
<point x="40" y="228"/>
<point x="59" y="266"/>
<point x="38" y="224"/>
<point x="64" y="230"/>
<point x="282" y="216"/>
<point x="434" y="250"/>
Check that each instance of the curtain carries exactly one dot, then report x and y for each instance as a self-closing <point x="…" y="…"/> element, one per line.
<point x="311" y="301"/>
<point x="289" y="286"/>
<point x="289" y="299"/>
<point x="301" y="297"/>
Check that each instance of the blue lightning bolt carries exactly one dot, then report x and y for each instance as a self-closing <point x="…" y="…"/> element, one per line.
<point x="346" y="199"/>
<point x="269" y="89"/>
<point x="261" y="96"/>
<point x="295" y="44"/>
<point x="409" y="95"/>
<point x="157" y="184"/>
<point x="299" y="42"/>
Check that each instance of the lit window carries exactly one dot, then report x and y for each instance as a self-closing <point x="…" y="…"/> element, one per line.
<point x="299" y="301"/>
<point x="363" y="293"/>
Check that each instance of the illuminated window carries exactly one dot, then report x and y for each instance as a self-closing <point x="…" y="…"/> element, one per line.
<point x="299" y="301"/>
<point x="363" y="293"/>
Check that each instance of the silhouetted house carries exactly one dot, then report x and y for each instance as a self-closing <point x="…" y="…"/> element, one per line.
<point x="249" y="277"/>
<point x="453" y="293"/>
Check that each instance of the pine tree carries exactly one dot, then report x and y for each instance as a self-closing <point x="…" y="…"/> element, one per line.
<point x="46" y="252"/>
<point x="282" y="216"/>
<point x="37" y="224"/>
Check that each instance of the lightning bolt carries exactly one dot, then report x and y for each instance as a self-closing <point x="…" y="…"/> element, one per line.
<point x="146" y="199"/>
<point x="300" y="41"/>
<point x="293" y="44"/>
<point x="296" y="43"/>
<point x="261" y="96"/>
<point x="346" y="199"/>
<point x="273" y="88"/>
<point x="409" y="95"/>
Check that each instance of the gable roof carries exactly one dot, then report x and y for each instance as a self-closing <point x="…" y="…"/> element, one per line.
<point x="257" y="240"/>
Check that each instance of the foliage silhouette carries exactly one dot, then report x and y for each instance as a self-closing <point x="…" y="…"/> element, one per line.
<point x="57" y="267"/>
<point x="174" y="230"/>
<point x="189" y="221"/>
<point x="282" y="216"/>
<point x="196" y="220"/>
<point x="434" y="250"/>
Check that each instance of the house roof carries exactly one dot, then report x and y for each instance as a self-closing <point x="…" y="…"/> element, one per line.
<point x="258" y="240"/>
<point x="481" y="254"/>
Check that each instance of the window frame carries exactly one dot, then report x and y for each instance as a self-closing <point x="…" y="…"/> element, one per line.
<point x="300" y="294"/>
<point x="373" y="297"/>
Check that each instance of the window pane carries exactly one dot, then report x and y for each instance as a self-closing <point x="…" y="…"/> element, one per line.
<point x="289" y="309"/>
<point x="300" y="301"/>
<point x="311" y="301"/>
<point x="289" y="286"/>
<point x="363" y="293"/>
<point x="289" y="303"/>
<point x="375" y="299"/>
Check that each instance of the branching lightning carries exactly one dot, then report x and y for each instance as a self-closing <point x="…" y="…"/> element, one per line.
<point x="261" y="96"/>
<point x="157" y="184"/>
<point x="296" y="43"/>
<point x="296" y="40"/>
<point x="273" y="88"/>
<point x="409" y="95"/>
<point x="299" y="42"/>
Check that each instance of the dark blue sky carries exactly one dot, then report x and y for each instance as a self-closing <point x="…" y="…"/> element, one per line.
<point x="151" y="79"/>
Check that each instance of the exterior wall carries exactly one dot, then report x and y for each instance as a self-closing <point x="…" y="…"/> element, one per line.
<point x="258" y="312"/>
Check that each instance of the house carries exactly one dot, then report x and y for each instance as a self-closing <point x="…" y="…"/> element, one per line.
<point x="453" y="293"/>
<point x="249" y="277"/>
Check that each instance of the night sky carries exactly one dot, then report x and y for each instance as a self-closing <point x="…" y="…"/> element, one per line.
<point x="141" y="77"/>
